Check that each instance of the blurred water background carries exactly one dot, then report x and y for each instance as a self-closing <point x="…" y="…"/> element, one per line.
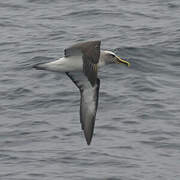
<point x="137" y="133"/>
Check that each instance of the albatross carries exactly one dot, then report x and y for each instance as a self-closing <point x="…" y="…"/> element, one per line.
<point x="81" y="63"/>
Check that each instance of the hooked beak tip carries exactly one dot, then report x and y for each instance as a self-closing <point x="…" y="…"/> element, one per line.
<point x="123" y="61"/>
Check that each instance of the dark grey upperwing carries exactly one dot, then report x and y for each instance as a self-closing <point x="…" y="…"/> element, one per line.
<point x="88" y="103"/>
<point x="90" y="52"/>
<point x="89" y="49"/>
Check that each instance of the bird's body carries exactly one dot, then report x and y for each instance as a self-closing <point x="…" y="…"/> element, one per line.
<point x="81" y="63"/>
<point x="65" y="64"/>
<point x="71" y="63"/>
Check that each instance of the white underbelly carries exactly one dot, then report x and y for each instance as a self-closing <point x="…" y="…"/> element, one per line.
<point x="65" y="64"/>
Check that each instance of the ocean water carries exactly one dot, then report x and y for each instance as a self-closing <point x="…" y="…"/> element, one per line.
<point x="137" y="131"/>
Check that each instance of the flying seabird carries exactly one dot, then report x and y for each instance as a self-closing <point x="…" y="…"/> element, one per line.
<point x="81" y="62"/>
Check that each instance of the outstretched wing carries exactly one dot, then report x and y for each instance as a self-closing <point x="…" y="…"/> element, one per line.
<point x="87" y="82"/>
<point x="90" y="53"/>
<point x="88" y="102"/>
<point x="89" y="49"/>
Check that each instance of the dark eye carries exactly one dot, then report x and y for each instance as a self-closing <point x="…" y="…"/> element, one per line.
<point x="112" y="55"/>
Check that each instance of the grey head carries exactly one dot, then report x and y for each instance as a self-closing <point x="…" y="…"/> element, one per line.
<point x="109" y="57"/>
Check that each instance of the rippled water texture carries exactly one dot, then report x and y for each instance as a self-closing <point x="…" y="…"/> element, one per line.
<point x="137" y="133"/>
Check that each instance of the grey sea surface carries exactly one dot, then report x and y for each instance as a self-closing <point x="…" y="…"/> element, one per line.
<point x="137" y="131"/>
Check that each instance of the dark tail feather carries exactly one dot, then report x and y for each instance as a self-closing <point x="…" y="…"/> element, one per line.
<point x="38" y="66"/>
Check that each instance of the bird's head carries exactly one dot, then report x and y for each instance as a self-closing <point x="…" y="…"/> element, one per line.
<point x="110" y="57"/>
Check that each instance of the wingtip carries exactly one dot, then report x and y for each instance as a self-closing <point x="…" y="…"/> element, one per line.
<point x="88" y="137"/>
<point x="88" y="141"/>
